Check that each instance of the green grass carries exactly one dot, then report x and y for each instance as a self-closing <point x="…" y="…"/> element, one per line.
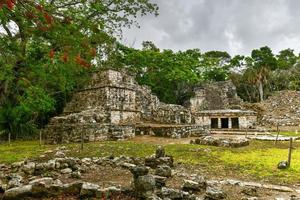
<point x="258" y="161"/>
<point x="21" y="150"/>
<point x="288" y="133"/>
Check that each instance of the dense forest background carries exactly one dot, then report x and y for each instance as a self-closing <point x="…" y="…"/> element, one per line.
<point x="50" y="48"/>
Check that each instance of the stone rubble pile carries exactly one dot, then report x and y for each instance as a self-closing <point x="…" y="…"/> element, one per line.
<point x="283" y="108"/>
<point x="28" y="179"/>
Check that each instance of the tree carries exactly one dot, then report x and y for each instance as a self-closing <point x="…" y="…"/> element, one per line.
<point x="286" y="59"/>
<point x="47" y="49"/>
<point x="170" y="75"/>
<point x="263" y="62"/>
<point x="214" y="65"/>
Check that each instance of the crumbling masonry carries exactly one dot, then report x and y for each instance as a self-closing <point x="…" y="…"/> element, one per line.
<point x="114" y="107"/>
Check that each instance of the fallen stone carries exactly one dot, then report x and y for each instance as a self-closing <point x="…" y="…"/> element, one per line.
<point x="144" y="184"/>
<point x="214" y="194"/>
<point x="76" y="174"/>
<point x="60" y="154"/>
<point x="139" y="171"/>
<point x="66" y="171"/>
<point x="18" y="193"/>
<point x="88" y="190"/>
<point x="15" y="181"/>
<point x="283" y="165"/>
<point x="29" y="168"/>
<point x="163" y="170"/>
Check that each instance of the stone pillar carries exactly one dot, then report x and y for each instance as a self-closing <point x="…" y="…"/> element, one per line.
<point x="219" y="123"/>
<point x="229" y="123"/>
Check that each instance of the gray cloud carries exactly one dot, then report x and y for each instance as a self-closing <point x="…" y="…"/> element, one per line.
<point x="236" y="26"/>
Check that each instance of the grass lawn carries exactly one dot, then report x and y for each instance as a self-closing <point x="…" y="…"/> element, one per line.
<point x="258" y="161"/>
<point x="288" y="133"/>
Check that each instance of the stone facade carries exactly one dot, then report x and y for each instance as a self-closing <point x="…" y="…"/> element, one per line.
<point x="215" y="96"/>
<point x="111" y="106"/>
<point x="226" y="119"/>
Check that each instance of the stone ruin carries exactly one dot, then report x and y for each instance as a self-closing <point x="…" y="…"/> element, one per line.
<point x="113" y="106"/>
<point x="215" y="96"/>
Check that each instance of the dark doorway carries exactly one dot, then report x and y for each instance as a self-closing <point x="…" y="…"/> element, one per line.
<point x="224" y="122"/>
<point x="235" y="122"/>
<point x="214" y="123"/>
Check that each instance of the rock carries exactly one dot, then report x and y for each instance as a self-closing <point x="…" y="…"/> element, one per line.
<point x="189" y="185"/>
<point x="154" y="162"/>
<point x="29" y="168"/>
<point x="223" y="142"/>
<point x="88" y="190"/>
<point x="163" y="170"/>
<point x="60" y="154"/>
<point x="15" y="181"/>
<point x="283" y="165"/>
<point x="128" y="165"/>
<point x="171" y="193"/>
<point x="18" y="193"/>
<point x="76" y="174"/>
<point x="160" y="181"/>
<point x="73" y="188"/>
<point x="86" y="161"/>
<point x="160" y="152"/>
<point x="250" y="191"/>
<point x="139" y="171"/>
<point x="214" y="194"/>
<point x="50" y="165"/>
<point x="144" y="184"/>
<point x="66" y="171"/>
<point x="46" y="181"/>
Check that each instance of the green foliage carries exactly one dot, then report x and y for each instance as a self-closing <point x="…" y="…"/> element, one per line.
<point x="47" y="50"/>
<point x="170" y="75"/>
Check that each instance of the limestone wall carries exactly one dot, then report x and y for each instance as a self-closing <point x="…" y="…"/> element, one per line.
<point x="215" y="96"/>
<point x="112" y="104"/>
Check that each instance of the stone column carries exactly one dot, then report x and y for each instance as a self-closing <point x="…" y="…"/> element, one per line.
<point x="219" y="123"/>
<point x="229" y="123"/>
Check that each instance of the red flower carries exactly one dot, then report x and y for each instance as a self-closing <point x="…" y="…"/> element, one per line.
<point x="51" y="54"/>
<point x="39" y="8"/>
<point x="65" y="57"/>
<point x="48" y="18"/>
<point x="10" y="4"/>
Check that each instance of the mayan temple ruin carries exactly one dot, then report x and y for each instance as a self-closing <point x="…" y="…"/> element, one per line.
<point x="114" y="106"/>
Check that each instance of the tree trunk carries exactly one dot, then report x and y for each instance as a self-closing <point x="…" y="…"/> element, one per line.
<point x="261" y="90"/>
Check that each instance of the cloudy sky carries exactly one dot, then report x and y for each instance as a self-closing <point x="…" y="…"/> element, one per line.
<point x="236" y="26"/>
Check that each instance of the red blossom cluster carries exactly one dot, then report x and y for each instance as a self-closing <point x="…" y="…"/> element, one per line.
<point x="10" y="4"/>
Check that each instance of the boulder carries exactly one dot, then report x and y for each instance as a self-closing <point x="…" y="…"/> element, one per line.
<point x="283" y="165"/>
<point x="15" y="180"/>
<point x="18" y="193"/>
<point x="144" y="184"/>
<point x="214" y="194"/>
<point x="29" y="168"/>
<point x="66" y="171"/>
<point x="160" y="181"/>
<point x="163" y="170"/>
<point x="250" y="191"/>
<point x="76" y="174"/>
<point x="189" y="185"/>
<point x="88" y="190"/>
<point x="60" y="154"/>
<point x="139" y="171"/>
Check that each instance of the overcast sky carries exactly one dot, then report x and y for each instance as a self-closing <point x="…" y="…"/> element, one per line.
<point x="235" y="26"/>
